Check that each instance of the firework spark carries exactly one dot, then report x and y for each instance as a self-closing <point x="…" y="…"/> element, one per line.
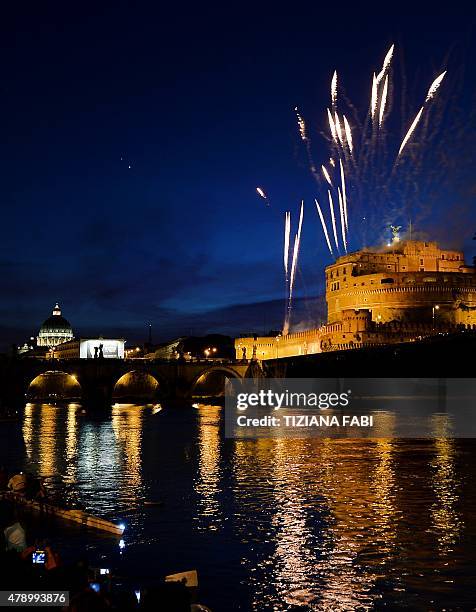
<point x="434" y="86"/>
<point x="324" y="227"/>
<point x="348" y="135"/>
<point x="334" y="89"/>
<point x="386" y="64"/>
<point x="333" y="218"/>
<point x="332" y="125"/>
<point x="383" y="101"/>
<point x="373" y="99"/>
<point x="332" y="162"/>
<point x="339" y="129"/>
<point x="342" y="220"/>
<point x="261" y="193"/>
<point x="410" y="131"/>
<point x="287" y="230"/>
<point x="326" y="175"/>
<point x="297" y="242"/>
<point x="301" y="125"/>
<point x="344" y="194"/>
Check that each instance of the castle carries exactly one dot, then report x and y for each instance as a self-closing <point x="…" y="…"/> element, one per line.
<point x="400" y="293"/>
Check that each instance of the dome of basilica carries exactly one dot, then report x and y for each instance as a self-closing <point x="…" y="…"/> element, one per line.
<point x="55" y="330"/>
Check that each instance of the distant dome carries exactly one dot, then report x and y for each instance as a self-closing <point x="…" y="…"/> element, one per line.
<point x="55" y="330"/>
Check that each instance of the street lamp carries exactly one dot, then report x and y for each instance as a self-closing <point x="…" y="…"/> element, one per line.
<point x="278" y="338"/>
<point x="435" y="308"/>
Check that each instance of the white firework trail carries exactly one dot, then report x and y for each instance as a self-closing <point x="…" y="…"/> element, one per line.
<point x="344" y="195"/>
<point x="301" y="125"/>
<point x="383" y="101"/>
<point x="373" y="99"/>
<point x="342" y="220"/>
<point x="434" y="86"/>
<point x="333" y="218"/>
<point x="297" y="242"/>
<point x="332" y="162"/>
<point x="332" y="125"/>
<point x="324" y="227"/>
<point x="386" y="64"/>
<point x="326" y="175"/>
<point x="287" y="230"/>
<point x="410" y="131"/>
<point x="334" y="89"/>
<point x="338" y="129"/>
<point x="261" y="193"/>
<point x="348" y="135"/>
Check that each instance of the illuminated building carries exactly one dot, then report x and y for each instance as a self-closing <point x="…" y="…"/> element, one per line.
<point x="403" y="283"/>
<point x="400" y="293"/>
<point x="55" y="330"/>
<point x="89" y="348"/>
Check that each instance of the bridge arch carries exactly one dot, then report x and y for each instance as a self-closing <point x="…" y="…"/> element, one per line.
<point x="54" y="385"/>
<point x="136" y="385"/>
<point x="211" y="382"/>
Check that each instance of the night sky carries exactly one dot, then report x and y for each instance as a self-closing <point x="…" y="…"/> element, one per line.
<point x="134" y="136"/>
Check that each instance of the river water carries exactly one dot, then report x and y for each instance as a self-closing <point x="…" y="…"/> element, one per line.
<point x="297" y="524"/>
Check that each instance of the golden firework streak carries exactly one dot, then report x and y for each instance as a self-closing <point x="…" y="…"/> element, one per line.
<point x="324" y="226"/>
<point x="383" y="101"/>
<point x="326" y="175"/>
<point x="333" y="218"/>
<point x="348" y="134"/>
<point x="434" y="86"/>
<point x="342" y="221"/>
<point x="344" y="195"/>
<point x="373" y="99"/>
<point x="332" y="125"/>
<point x="334" y="88"/>
<point x="287" y="230"/>
<point x="410" y="131"/>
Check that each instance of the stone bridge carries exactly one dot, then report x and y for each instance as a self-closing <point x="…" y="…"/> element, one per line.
<point x="98" y="381"/>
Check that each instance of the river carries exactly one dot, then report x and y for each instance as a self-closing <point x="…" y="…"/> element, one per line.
<point x="270" y="524"/>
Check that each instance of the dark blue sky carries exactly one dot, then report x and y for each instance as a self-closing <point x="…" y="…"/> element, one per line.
<point x="199" y="102"/>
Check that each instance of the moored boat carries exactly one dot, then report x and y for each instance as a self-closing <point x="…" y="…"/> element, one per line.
<point x="77" y="516"/>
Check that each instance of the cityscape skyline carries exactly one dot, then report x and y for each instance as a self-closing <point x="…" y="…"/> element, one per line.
<point x="146" y="143"/>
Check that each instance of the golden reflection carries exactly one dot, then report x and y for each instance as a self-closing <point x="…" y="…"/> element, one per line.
<point x="207" y="483"/>
<point x="41" y="437"/>
<point x="447" y="522"/>
<point x="127" y="422"/>
<point x="345" y="486"/>
<point x="384" y="483"/>
<point x="27" y="429"/>
<point x="293" y="558"/>
<point x="334" y="505"/>
<point x="71" y="443"/>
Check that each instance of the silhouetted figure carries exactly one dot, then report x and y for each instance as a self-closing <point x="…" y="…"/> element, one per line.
<point x="96" y="352"/>
<point x="101" y="353"/>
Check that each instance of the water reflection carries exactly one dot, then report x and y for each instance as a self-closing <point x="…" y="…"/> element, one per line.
<point x="207" y="485"/>
<point x="307" y="523"/>
<point x="127" y="424"/>
<point x="447" y="521"/>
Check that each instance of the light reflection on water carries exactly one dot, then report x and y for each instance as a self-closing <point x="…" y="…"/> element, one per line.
<point x="277" y="524"/>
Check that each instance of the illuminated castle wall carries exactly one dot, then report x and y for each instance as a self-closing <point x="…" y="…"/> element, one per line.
<point x="403" y="283"/>
<point x="402" y="293"/>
